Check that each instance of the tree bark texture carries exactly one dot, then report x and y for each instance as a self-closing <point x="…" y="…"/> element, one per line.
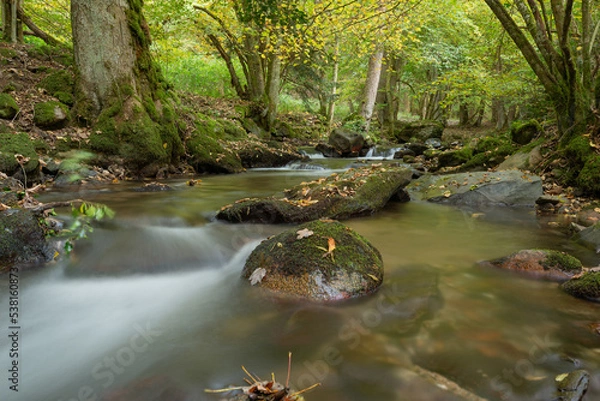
<point x="119" y="89"/>
<point x="372" y="85"/>
<point x="11" y="24"/>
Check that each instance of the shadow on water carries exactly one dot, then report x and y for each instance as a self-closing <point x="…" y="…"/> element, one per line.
<point x="152" y="307"/>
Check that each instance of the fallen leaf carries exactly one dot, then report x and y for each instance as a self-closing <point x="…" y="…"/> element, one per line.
<point x="304" y="233"/>
<point x="331" y="244"/>
<point x="373" y="277"/>
<point x="257" y="275"/>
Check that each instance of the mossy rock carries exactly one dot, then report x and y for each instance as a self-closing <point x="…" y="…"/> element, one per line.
<point x="588" y="178"/>
<point x="420" y="130"/>
<point x="320" y="261"/>
<point x="17" y="144"/>
<point x="489" y="151"/>
<point x="507" y="188"/>
<point x="586" y="286"/>
<point x="523" y="132"/>
<point x="540" y="263"/>
<point x="356" y="192"/>
<point x="51" y="115"/>
<point x="453" y="158"/>
<point x="233" y="129"/>
<point x="59" y="84"/>
<point x="208" y="155"/>
<point x="138" y="139"/>
<point x="8" y="106"/>
<point x="254" y="154"/>
<point x="23" y="242"/>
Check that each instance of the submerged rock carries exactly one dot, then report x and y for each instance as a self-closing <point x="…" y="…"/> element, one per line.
<point x="22" y="240"/>
<point x="539" y="263"/>
<point x="508" y="188"/>
<point x="356" y="192"/>
<point x="586" y="286"/>
<point x="572" y="386"/>
<point x="589" y="237"/>
<point x="319" y="261"/>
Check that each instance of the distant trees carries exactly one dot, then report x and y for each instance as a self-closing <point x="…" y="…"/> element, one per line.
<point x="12" y="26"/>
<point x="561" y="43"/>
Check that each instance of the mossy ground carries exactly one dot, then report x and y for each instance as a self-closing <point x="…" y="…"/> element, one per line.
<point x="59" y="84"/>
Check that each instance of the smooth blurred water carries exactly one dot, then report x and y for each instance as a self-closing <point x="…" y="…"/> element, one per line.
<point x="152" y="307"/>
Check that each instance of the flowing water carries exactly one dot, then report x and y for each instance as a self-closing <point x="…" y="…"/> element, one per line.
<point x="151" y="307"/>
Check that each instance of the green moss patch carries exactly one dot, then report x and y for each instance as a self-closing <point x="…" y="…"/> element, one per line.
<point x="59" y="84"/>
<point x="51" y="115"/>
<point x="586" y="286"/>
<point x="17" y="144"/>
<point x="8" y="106"/>
<point x="356" y="192"/>
<point x="320" y="261"/>
<point x="208" y="155"/>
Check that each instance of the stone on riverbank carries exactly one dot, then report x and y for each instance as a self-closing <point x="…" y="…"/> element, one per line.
<point x="507" y="188"/>
<point x="356" y="192"/>
<point x="22" y="242"/>
<point x="320" y="261"/>
<point x="586" y="286"/>
<point x="539" y="263"/>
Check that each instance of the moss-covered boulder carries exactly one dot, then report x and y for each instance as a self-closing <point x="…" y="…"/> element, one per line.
<point x="208" y="155"/>
<point x="356" y="192"/>
<point x="319" y="261"/>
<point x="523" y="132"/>
<point x="51" y="115"/>
<point x="8" y="106"/>
<point x="586" y="286"/>
<point x="587" y="179"/>
<point x="454" y="157"/>
<point x="346" y="142"/>
<point x="539" y="263"/>
<point x="22" y="241"/>
<point x="256" y="154"/>
<point x="17" y="144"/>
<point x="507" y="188"/>
<point x="59" y="84"/>
<point x="419" y="131"/>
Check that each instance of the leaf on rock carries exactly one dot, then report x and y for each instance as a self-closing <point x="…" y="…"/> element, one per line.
<point x="331" y="244"/>
<point x="304" y="233"/>
<point x="257" y="275"/>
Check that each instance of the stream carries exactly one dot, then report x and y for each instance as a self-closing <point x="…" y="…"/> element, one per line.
<point x="151" y="306"/>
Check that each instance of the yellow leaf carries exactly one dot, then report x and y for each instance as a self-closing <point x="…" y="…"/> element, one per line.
<point x="165" y="145"/>
<point x="331" y="244"/>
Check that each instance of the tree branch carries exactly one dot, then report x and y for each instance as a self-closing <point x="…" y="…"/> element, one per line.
<point x="35" y="29"/>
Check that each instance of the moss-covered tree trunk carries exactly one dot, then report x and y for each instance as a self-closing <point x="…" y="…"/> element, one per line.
<point x="120" y="91"/>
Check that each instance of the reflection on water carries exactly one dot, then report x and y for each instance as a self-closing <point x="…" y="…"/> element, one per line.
<point x="152" y="308"/>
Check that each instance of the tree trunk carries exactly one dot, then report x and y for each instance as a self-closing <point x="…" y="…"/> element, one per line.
<point x="12" y="27"/>
<point x="551" y="57"/>
<point x="371" y="86"/>
<point x="333" y="97"/>
<point x="119" y="90"/>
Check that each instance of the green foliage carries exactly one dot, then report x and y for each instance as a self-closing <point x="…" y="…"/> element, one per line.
<point x="83" y="218"/>
<point x="52" y="17"/>
<point x="202" y="75"/>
